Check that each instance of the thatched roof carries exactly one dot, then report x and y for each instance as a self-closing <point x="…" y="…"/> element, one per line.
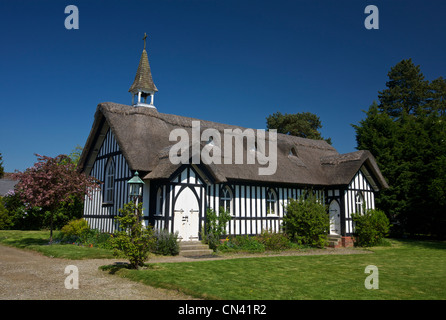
<point x="143" y="136"/>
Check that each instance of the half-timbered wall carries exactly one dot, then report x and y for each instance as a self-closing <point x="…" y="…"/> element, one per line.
<point x="98" y="213"/>
<point x="358" y="196"/>
<point x="250" y="209"/>
<point x="248" y="204"/>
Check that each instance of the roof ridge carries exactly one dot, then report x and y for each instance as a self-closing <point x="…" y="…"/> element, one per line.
<point x="344" y="157"/>
<point x="186" y="122"/>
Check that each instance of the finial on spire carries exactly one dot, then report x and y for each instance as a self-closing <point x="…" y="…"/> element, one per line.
<point x="144" y="38"/>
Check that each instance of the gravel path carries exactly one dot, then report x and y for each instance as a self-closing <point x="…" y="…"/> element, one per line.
<point x="26" y="275"/>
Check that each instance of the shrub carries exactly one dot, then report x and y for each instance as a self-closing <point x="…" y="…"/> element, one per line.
<point x="215" y="226"/>
<point x="75" y="228"/>
<point x="166" y="243"/>
<point x="134" y="241"/>
<point x="78" y="232"/>
<point x="95" y="238"/>
<point x="274" y="241"/>
<point x="20" y="217"/>
<point x="5" y="218"/>
<point x="306" y="221"/>
<point x="370" y="227"/>
<point x="242" y="243"/>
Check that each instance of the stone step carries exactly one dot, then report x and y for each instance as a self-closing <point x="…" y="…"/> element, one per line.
<point x="196" y="253"/>
<point x="194" y="249"/>
<point x="332" y="244"/>
<point x="192" y="245"/>
<point x="334" y="240"/>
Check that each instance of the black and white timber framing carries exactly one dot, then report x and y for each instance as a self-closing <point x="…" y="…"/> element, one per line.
<point x="98" y="212"/>
<point x="253" y="206"/>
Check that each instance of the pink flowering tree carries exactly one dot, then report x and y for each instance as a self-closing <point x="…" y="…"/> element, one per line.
<point x="51" y="182"/>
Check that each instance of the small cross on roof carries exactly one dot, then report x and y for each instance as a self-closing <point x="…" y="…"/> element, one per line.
<point x="144" y="38"/>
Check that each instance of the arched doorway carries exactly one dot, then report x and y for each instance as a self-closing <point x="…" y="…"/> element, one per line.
<point x="334" y="212"/>
<point x="186" y="215"/>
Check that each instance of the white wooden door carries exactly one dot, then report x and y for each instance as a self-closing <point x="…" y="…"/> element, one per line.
<point x="335" y="217"/>
<point x="186" y="215"/>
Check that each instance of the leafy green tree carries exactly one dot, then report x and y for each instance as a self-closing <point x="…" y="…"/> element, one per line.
<point x="133" y="240"/>
<point x="75" y="155"/>
<point x="406" y="132"/>
<point x="305" y="125"/>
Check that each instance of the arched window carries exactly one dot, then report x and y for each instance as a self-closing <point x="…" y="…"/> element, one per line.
<point x="159" y="201"/>
<point x="271" y="202"/>
<point x="226" y="199"/>
<point x="359" y="203"/>
<point x="109" y="181"/>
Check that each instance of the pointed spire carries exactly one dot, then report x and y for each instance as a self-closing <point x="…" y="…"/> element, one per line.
<point x="143" y="85"/>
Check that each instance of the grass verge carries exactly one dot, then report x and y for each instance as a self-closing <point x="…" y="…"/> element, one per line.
<point x="406" y="270"/>
<point x="38" y="241"/>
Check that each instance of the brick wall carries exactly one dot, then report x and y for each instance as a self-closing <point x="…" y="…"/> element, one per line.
<point x="347" y="242"/>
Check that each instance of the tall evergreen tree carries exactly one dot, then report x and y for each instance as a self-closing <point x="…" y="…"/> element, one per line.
<point x="406" y="133"/>
<point x="1" y="167"/>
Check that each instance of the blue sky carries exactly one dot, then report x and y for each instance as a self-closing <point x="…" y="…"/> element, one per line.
<point x="233" y="62"/>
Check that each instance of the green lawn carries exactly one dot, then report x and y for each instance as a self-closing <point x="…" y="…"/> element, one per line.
<point x="407" y="270"/>
<point x="38" y="241"/>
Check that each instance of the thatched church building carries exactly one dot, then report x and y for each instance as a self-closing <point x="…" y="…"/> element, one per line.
<point x="125" y="139"/>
